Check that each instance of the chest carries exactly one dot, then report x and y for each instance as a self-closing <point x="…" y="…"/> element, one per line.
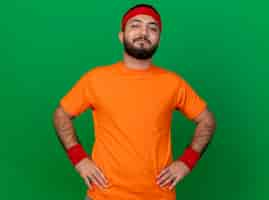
<point x="138" y="96"/>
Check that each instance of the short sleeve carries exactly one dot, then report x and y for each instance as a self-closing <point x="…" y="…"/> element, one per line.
<point x="79" y="98"/>
<point x="188" y="101"/>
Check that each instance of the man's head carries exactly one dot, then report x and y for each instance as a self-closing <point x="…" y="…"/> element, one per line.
<point x="141" y="28"/>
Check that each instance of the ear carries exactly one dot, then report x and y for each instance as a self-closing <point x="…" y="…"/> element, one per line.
<point x="121" y="36"/>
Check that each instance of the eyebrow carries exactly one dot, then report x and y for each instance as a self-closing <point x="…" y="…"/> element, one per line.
<point x="138" y="20"/>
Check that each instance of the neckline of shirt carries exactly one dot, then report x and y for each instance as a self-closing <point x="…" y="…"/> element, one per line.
<point x="121" y="66"/>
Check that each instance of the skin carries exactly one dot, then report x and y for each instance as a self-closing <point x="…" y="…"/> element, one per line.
<point x="177" y="170"/>
<point x="87" y="169"/>
<point x="138" y="26"/>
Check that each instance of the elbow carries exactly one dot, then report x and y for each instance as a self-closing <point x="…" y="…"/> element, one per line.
<point x="211" y="121"/>
<point x="59" y="114"/>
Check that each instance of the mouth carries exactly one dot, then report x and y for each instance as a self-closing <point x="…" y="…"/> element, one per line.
<point x="142" y="41"/>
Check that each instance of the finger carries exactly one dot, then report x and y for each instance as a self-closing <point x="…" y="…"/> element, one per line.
<point x="91" y="178"/>
<point x="100" y="178"/>
<point x="164" y="178"/>
<point x="88" y="182"/>
<point x="104" y="179"/>
<point x="174" y="182"/>
<point x="167" y="181"/>
<point x="96" y="181"/>
<point x="162" y="173"/>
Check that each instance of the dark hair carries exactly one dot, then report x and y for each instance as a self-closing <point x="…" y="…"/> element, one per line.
<point x="141" y="5"/>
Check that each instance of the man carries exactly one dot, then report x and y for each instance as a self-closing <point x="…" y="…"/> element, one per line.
<point x="132" y="102"/>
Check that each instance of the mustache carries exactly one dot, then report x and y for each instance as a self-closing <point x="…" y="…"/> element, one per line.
<point x="142" y="38"/>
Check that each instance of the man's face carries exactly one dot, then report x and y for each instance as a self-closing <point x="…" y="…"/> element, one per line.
<point x="141" y="37"/>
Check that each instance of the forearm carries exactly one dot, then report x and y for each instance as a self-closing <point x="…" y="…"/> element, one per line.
<point x="203" y="134"/>
<point x="64" y="129"/>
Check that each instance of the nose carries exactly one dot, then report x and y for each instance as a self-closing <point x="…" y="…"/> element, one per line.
<point x="144" y="30"/>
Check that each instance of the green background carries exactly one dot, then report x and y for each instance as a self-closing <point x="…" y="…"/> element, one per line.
<point x="220" y="47"/>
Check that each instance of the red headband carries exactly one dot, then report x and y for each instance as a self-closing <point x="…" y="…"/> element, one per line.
<point x="141" y="10"/>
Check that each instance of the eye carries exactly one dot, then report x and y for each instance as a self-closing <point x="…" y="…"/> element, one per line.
<point x="153" y="29"/>
<point x="134" y="25"/>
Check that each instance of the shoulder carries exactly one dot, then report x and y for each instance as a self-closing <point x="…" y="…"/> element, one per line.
<point x="98" y="70"/>
<point x="172" y="75"/>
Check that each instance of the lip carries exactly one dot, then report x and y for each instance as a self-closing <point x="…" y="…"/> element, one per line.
<point x="144" y="41"/>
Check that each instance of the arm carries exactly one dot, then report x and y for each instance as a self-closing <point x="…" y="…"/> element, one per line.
<point x="206" y="125"/>
<point x="64" y="128"/>
<point x="203" y="133"/>
<point x="68" y="138"/>
<point x="189" y="103"/>
<point x="77" y="100"/>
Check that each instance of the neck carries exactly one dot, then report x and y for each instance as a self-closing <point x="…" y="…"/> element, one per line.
<point x="135" y="63"/>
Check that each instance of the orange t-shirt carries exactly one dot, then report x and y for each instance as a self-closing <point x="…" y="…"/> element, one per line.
<point x="132" y="111"/>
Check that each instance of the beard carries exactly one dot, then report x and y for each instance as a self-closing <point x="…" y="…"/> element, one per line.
<point x="139" y="52"/>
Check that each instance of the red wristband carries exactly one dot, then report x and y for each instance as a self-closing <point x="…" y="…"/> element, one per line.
<point x="190" y="157"/>
<point x="76" y="153"/>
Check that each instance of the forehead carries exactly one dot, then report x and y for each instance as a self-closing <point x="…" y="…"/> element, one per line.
<point x="142" y="18"/>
